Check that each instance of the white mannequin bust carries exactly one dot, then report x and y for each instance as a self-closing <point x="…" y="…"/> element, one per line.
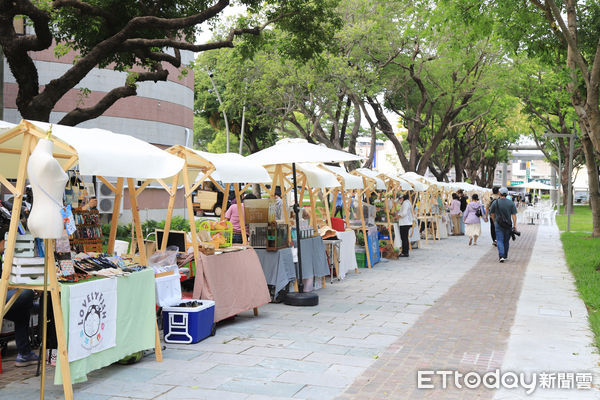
<point x="45" y="220"/>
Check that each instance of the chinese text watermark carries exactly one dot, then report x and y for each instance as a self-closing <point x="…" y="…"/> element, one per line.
<point x="497" y="379"/>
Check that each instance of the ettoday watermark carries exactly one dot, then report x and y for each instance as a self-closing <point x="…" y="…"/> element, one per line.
<point x="496" y="379"/>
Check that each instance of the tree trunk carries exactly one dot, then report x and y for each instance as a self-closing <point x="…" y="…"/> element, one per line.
<point x="594" y="186"/>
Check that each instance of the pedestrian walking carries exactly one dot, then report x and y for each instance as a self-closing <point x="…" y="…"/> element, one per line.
<point x="472" y="218"/>
<point x="455" y="214"/>
<point x="405" y="223"/>
<point x="504" y="213"/>
<point x="463" y="206"/>
<point x="339" y="205"/>
<point x="493" y="198"/>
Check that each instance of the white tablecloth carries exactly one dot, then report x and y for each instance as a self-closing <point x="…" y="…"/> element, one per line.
<point x="413" y="235"/>
<point x="347" y="252"/>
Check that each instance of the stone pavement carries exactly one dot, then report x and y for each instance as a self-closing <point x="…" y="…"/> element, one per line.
<point x="466" y="330"/>
<point x="550" y="333"/>
<point x="447" y="306"/>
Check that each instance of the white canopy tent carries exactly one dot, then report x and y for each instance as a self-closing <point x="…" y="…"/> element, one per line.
<point x="287" y="151"/>
<point x="379" y="183"/>
<point x="350" y="182"/>
<point x="317" y="177"/>
<point x="466" y="186"/>
<point x="234" y="168"/>
<point x="403" y="183"/>
<point x="535" y="185"/>
<point x="97" y="151"/>
<point x="418" y="185"/>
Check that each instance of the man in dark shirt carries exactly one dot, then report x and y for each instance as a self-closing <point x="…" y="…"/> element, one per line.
<point x="504" y="214"/>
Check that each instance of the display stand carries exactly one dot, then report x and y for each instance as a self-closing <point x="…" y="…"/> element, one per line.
<point x="19" y="142"/>
<point x="88" y="236"/>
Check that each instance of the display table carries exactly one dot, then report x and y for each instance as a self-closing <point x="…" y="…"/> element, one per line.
<point x="414" y="236"/>
<point x="314" y="259"/>
<point x="135" y="327"/>
<point x="278" y="267"/>
<point x="235" y="281"/>
<point x="347" y="252"/>
<point x="332" y="247"/>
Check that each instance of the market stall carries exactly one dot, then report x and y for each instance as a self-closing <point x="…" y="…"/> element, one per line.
<point x="349" y="184"/>
<point x="96" y="152"/>
<point x="387" y="187"/>
<point x="372" y="184"/>
<point x="312" y="180"/>
<point x="289" y="152"/>
<point x="395" y="187"/>
<point x="218" y="275"/>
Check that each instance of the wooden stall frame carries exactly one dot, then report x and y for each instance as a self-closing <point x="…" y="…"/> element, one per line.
<point x="193" y="160"/>
<point x="31" y="135"/>
<point x="346" y="200"/>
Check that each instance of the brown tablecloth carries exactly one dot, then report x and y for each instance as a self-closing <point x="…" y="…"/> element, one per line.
<point x="235" y="281"/>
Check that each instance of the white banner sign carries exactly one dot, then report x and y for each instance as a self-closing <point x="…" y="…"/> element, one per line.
<point x="92" y="317"/>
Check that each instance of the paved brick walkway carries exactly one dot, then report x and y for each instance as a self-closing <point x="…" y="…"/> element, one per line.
<point x="10" y="373"/>
<point x="467" y="329"/>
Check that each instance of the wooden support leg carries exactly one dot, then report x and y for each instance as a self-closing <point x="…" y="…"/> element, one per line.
<point x="157" y="346"/>
<point x="59" y="323"/>
<point x="255" y="309"/>
<point x="336" y="262"/>
<point x="364" y="230"/>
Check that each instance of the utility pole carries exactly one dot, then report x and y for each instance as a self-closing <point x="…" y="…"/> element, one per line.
<point x="571" y="137"/>
<point x="559" y="174"/>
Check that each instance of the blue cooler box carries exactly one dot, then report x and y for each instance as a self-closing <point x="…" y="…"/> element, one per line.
<point x="189" y="324"/>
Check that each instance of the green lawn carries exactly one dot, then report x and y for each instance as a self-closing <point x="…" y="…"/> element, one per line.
<point x="583" y="256"/>
<point x="581" y="219"/>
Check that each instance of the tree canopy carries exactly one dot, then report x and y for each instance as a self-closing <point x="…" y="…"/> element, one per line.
<point x="140" y="38"/>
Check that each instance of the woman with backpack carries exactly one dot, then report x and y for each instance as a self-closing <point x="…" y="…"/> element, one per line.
<point x="472" y="218"/>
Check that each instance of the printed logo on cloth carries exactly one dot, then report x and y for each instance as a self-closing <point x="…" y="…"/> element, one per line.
<point x="92" y="318"/>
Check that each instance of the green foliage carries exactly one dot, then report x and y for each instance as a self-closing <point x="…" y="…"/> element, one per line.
<point x="123" y="232"/>
<point x="179" y="223"/>
<point x="203" y="133"/>
<point x="583" y="257"/>
<point x="219" y="143"/>
<point x="360" y="238"/>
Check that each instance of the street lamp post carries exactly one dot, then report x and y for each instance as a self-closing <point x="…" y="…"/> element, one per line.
<point x="571" y="137"/>
<point x="559" y="175"/>
<point x="210" y="76"/>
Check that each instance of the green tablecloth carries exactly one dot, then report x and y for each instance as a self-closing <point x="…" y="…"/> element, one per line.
<point x="136" y="316"/>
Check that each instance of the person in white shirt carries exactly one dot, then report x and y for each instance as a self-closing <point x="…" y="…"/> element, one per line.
<point x="405" y="222"/>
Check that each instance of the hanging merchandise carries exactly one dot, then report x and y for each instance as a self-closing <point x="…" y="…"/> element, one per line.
<point x="62" y="244"/>
<point x="68" y="219"/>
